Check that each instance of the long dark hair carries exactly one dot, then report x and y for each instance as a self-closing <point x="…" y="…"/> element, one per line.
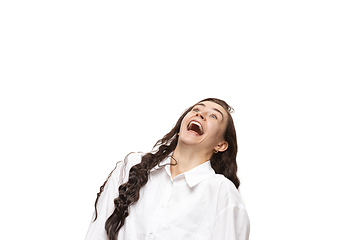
<point x="222" y="162"/>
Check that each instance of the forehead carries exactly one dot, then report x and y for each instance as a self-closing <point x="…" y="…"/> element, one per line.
<point x="210" y="104"/>
<point x="214" y="106"/>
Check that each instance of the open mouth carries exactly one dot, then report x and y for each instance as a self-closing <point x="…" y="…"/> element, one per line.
<point x="195" y="127"/>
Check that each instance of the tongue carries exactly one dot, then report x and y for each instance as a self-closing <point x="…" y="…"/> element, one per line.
<point x="194" y="132"/>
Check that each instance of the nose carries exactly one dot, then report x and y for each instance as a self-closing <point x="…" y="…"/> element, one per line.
<point x="201" y="116"/>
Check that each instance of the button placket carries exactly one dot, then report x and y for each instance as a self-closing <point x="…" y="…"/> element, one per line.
<point x="160" y="210"/>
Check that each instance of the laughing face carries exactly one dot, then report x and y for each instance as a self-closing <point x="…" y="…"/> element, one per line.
<point x="204" y="126"/>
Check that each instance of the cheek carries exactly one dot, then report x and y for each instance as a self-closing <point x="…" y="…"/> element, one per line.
<point x="217" y="132"/>
<point x="185" y="119"/>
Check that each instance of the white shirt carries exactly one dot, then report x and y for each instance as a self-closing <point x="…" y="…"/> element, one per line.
<point x="196" y="205"/>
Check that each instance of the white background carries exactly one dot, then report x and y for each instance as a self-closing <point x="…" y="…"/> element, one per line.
<point x="83" y="83"/>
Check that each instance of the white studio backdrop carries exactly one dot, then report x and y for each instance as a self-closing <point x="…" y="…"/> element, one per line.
<point x="83" y="83"/>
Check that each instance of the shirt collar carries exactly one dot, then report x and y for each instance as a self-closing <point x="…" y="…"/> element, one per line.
<point x="193" y="176"/>
<point x="199" y="173"/>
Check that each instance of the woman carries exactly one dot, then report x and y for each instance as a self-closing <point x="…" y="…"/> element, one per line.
<point x="185" y="189"/>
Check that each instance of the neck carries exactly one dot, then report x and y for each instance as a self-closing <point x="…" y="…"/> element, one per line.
<point x="187" y="158"/>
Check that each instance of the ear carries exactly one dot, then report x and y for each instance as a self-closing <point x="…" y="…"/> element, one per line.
<point x="222" y="146"/>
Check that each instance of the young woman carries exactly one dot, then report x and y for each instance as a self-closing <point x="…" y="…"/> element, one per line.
<point x="187" y="188"/>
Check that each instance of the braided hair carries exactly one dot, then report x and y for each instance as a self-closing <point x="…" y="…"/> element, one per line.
<point x="129" y="192"/>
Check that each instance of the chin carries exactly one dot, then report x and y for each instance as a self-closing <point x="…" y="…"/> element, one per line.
<point x="190" y="139"/>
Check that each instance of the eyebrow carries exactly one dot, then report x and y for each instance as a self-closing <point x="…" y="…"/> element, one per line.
<point x="222" y="115"/>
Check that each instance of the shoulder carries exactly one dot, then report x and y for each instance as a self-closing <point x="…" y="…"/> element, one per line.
<point x="121" y="172"/>
<point x="222" y="182"/>
<point x="130" y="160"/>
<point x="133" y="158"/>
<point x="226" y="191"/>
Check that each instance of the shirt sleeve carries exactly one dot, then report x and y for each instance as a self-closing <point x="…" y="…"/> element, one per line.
<point x="232" y="223"/>
<point x="105" y="205"/>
